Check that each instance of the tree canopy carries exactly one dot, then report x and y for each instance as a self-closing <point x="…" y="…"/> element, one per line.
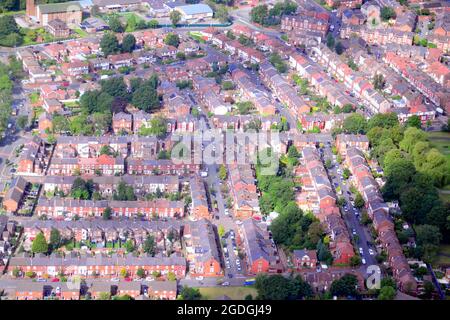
<point x="39" y="244"/>
<point x="278" y="287"/>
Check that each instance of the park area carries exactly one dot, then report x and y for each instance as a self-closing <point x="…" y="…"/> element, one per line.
<point x="443" y="257"/>
<point x="235" y="293"/>
<point x="441" y="141"/>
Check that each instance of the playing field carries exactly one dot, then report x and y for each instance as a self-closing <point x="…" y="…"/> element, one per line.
<point x="235" y="293"/>
<point x="441" y="141"/>
<point x="443" y="258"/>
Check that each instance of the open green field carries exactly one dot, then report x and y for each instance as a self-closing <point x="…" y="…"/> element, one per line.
<point x="441" y="141"/>
<point x="443" y="258"/>
<point x="235" y="293"/>
<point x="444" y="196"/>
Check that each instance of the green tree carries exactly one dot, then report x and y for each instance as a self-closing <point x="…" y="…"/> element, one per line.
<point x="278" y="287"/>
<point x="221" y="230"/>
<point x="158" y="127"/>
<point x="221" y="13"/>
<point x="140" y="273"/>
<point x="145" y="97"/>
<point x="171" y="276"/>
<point x="104" y="296"/>
<point x="414" y="121"/>
<point x="278" y="63"/>
<point x="339" y="48"/>
<point x="379" y="81"/>
<point x="345" y="286"/>
<point x="222" y="172"/>
<point x="150" y="245"/>
<point x="175" y="17"/>
<point x="109" y="44"/>
<point x="129" y="245"/>
<point x="39" y="244"/>
<point x="427" y="238"/>
<point x="172" y="39"/>
<point x="22" y="122"/>
<point x="355" y="261"/>
<point x="188" y="293"/>
<point x="115" y="25"/>
<point x="128" y="43"/>
<point x="359" y="201"/>
<point x="387" y="13"/>
<point x="330" y="41"/>
<point x="153" y="24"/>
<point x="116" y="88"/>
<point x="107" y="213"/>
<point x="355" y="123"/>
<point x="259" y="13"/>
<point x="387" y="293"/>
<point x="123" y="273"/>
<point x="55" y="238"/>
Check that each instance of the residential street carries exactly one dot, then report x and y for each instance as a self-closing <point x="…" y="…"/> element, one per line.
<point x="350" y="214"/>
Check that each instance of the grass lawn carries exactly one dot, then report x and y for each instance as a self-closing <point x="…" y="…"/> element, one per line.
<point x="235" y="293"/>
<point x="441" y="141"/>
<point x="81" y="32"/>
<point x="12" y="13"/>
<point x="445" y="197"/>
<point x="197" y="36"/>
<point x="443" y="258"/>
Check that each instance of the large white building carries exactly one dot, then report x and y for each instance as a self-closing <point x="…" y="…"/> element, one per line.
<point x="195" y="11"/>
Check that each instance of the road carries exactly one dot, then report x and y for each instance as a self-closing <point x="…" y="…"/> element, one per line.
<point x="214" y="185"/>
<point x="13" y="136"/>
<point x="350" y="214"/>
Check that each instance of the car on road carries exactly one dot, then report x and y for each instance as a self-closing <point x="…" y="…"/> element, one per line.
<point x="41" y="280"/>
<point x="354" y="231"/>
<point x="371" y="252"/>
<point x="200" y="278"/>
<point x="230" y="275"/>
<point x="361" y="251"/>
<point x="363" y="261"/>
<point x="226" y="284"/>
<point x="227" y="212"/>
<point x="239" y="268"/>
<point x="115" y="279"/>
<point x="238" y="222"/>
<point x="217" y="217"/>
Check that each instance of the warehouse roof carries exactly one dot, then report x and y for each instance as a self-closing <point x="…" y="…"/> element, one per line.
<point x="195" y="9"/>
<point x="60" y="7"/>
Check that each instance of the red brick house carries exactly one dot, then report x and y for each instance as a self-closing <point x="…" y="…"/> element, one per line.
<point x="305" y="259"/>
<point x="122" y="122"/>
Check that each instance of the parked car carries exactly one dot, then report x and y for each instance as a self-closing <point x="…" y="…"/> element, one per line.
<point x="363" y="261"/>
<point x="200" y="278"/>
<point x="361" y="251"/>
<point x="371" y="252"/>
<point x="226" y="283"/>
